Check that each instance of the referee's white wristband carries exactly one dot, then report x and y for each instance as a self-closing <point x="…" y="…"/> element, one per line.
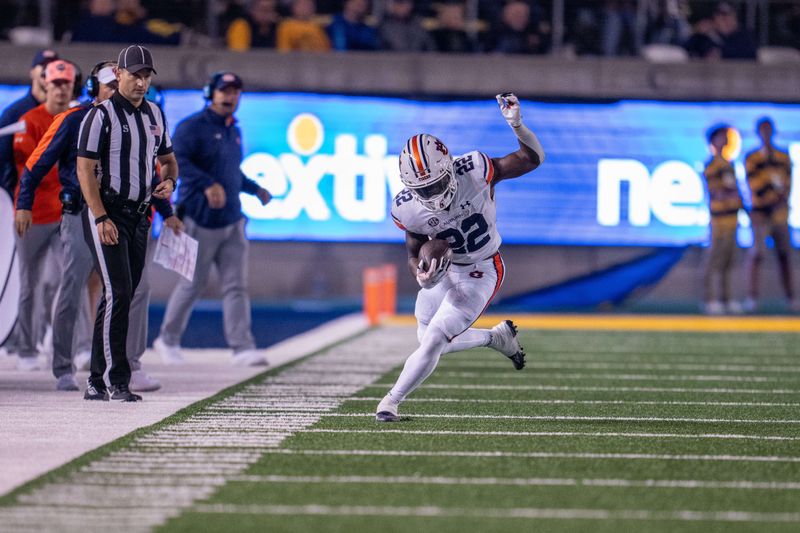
<point x="529" y="139"/>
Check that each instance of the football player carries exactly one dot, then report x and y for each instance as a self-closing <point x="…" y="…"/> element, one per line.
<point x="453" y="199"/>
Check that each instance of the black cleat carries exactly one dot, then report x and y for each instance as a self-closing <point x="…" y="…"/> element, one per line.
<point x="94" y="393"/>
<point x="518" y="360"/>
<point x="387" y="416"/>
<point x="121" y="393"/>
<point x="504" y="340"/>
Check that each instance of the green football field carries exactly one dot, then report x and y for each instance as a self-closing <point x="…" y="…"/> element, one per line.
<point x="602" y="431"/>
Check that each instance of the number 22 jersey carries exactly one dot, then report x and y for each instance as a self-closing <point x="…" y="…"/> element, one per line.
<point x="469" y="224"/>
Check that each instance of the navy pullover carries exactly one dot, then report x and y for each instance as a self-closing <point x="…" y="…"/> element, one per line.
<point x="209" y="150"/>
<point x="12" y="114"/>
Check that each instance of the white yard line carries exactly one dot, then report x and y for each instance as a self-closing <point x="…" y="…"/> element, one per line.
<point x="559" y="418"/>
<point x="567" y="388"/>
<point x="495" y="513"/>
<point x="724" y="436"/>
<point x="591" y="376"/>
<point x="700" y="349"/>
<point x="532" y="482"/>
<point x="594" y="365"/>
<point x="515" y="401"/>
<point x="765" y="361"/>
<point x="544" y="455"/>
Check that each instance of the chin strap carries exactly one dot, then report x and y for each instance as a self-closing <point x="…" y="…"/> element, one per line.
<point x="529" y="139"/>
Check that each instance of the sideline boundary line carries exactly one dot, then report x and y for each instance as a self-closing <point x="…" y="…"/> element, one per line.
<point x="281" y="355"/>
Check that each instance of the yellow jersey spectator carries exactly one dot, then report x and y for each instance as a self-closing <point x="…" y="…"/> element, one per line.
<point x="769" y="175"/>
<point x="724" y="203"/>
<point x="256" y="29"/>
<point x="301" y="32"/>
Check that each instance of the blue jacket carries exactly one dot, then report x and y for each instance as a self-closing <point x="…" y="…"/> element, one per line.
<point x="62" y="149"/>
<point x="347" y="35"/>
<point x="12" y="114"/>
<point x="209" y="150"/>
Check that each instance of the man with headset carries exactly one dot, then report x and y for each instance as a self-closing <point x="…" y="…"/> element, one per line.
<point x="208" y="147"/>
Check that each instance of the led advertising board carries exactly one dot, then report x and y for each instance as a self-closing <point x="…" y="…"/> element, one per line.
<point x="620" y="173"/>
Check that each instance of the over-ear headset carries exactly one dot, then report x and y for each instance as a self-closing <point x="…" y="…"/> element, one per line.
<point x="92" y="83"/>
<point x="156" y="95"/>
<point x="77" y="87"/>
<point x="208" y="88"/>
<point x="225" y="76"/>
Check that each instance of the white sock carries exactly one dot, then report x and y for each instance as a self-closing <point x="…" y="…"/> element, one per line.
<point x="472" y="338"/>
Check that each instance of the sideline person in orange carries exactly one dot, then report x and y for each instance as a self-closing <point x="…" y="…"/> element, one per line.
<point x="37" y="228"/>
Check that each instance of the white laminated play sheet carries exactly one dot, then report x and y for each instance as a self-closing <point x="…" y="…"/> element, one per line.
<point x="176" y="251"/>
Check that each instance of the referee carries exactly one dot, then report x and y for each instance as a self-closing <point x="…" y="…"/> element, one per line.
<point x="125" y="135"/>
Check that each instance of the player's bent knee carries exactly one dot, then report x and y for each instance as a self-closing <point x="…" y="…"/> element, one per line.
<point x="434" y="339"/>
<point x="421" y="329"/>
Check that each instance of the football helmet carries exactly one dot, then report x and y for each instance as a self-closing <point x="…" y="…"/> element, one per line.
<point x="426" y="168"/>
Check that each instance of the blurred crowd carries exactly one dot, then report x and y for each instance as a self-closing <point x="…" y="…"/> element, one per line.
<point x="705" y="29"/>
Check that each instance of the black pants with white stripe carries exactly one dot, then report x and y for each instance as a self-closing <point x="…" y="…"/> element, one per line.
<point x="120" y="268"/>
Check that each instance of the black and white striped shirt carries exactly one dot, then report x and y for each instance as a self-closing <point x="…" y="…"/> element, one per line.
<point x="126" y="140"/>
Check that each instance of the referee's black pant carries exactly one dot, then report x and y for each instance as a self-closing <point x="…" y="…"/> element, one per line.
<point x="120" y="267"/>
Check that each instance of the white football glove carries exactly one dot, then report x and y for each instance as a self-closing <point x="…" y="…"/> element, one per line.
<point x="509" y="106"/>
<point x="429" y="278"/>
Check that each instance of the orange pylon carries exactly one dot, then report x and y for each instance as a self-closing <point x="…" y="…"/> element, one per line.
<point x="380" y="292"/>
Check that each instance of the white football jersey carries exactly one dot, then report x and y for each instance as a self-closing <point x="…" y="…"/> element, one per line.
<point x="469" y="224"/>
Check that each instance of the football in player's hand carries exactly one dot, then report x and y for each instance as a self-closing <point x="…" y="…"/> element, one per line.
<point x="438" y="249"/>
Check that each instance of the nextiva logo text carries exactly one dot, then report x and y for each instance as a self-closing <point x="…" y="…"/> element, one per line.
<point x="673" y="193"/>
<point x="363" y="182"/>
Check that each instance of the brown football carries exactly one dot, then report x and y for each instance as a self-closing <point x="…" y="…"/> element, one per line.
<point x="434" y="249"/>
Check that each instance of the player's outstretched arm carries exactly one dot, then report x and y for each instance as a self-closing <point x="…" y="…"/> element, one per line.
<point x="530" y="154"/>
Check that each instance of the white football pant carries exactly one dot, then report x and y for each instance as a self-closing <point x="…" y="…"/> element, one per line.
<point x="444" y="315"/>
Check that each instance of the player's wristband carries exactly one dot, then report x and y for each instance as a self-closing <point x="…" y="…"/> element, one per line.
<point x="101" y="218"/>
<point x="529" y="139"/>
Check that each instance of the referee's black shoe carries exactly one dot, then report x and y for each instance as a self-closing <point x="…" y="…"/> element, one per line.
<point x="94" y="393"/>
<point x="121" y="393"/>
